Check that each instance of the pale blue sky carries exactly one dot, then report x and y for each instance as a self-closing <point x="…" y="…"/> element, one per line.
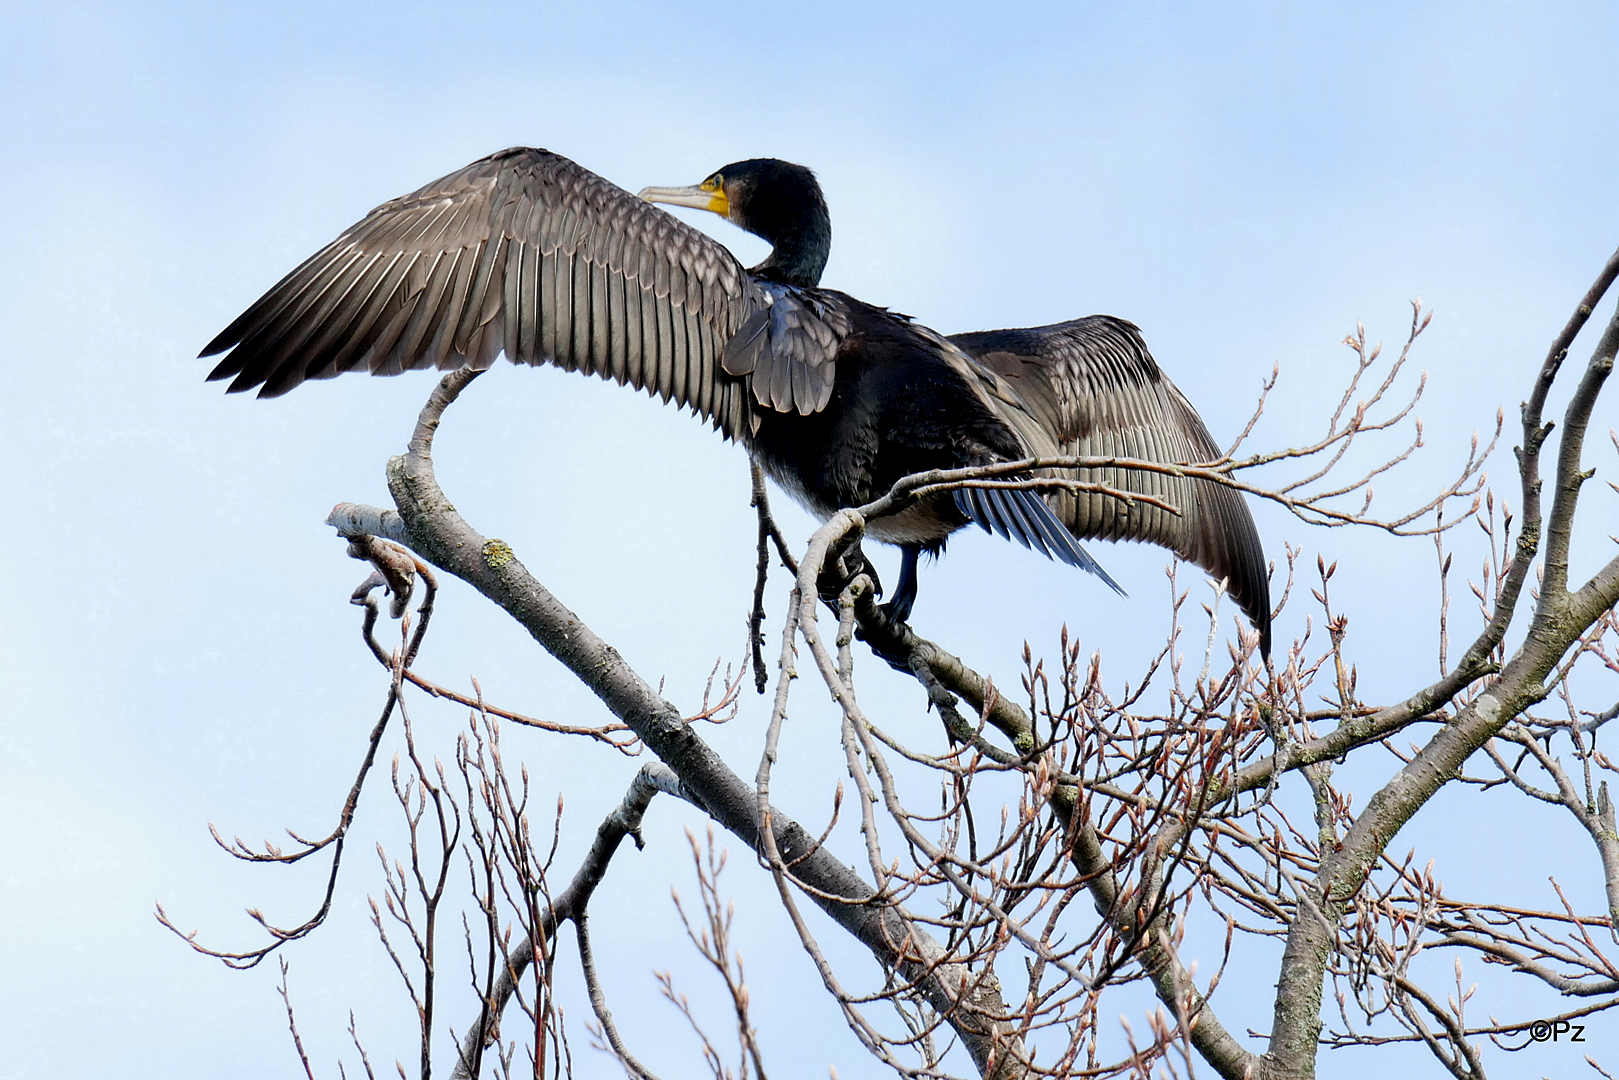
<point x="1245" y="182"/>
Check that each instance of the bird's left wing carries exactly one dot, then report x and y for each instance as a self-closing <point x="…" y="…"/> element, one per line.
<point x="1090" y="387"/>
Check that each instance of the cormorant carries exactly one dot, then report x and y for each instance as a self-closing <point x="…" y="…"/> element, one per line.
<point x="525" y="252"/>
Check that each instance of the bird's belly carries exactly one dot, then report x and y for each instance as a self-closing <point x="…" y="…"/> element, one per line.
<point x="921" y="523"/>
<point x="927" y="522"/>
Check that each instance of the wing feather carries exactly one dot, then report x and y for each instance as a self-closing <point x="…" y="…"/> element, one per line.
<point x="703" y="398"/>
<point x="617" y="327"/>
<point x="440" y="347"/>
<point x="344" y="313"/>
<point x="509" y="309"/>
<point x="483" y="300"/>
<point x="679" y="355"/>
<point x="635" y="351"/>
<point x="426" y="313"/>
<point x="563" y="314"/>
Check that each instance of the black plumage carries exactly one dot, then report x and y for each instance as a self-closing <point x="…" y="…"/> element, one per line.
<point x="526" y="253"/>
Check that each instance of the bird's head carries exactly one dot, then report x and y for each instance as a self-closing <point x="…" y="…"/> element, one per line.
<point x="774" y="200"/>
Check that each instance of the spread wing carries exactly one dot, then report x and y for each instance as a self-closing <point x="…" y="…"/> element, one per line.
<point x="1089" y="386"/>
<point x="527" y="253"/>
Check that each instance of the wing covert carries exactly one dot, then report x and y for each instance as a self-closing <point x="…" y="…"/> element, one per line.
<point x="788" y="348"/>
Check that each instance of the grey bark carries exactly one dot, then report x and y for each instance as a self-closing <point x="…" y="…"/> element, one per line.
<point x="429" y="524"/>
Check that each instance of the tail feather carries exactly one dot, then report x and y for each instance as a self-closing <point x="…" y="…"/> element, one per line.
<point x="1024" y="516"/>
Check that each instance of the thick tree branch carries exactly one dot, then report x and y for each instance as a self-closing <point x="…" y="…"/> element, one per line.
<point x="428" y="524"/>
<point x="1297" y="1024"/>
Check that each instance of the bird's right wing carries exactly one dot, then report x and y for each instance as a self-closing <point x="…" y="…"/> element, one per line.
<point x="1090" y="387"/>
<point x="528" y="253"/>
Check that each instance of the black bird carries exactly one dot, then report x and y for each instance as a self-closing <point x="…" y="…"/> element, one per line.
<point x="527" y="253"/>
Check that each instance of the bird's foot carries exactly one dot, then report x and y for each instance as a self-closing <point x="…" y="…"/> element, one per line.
<point x="898" y="610"/>
<point x="837" y="574"/>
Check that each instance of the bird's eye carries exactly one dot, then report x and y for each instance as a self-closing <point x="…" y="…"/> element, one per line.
<point x="714" y="183"/>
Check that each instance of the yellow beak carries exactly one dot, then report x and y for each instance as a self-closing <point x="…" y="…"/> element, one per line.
<point x="697" y="196"/>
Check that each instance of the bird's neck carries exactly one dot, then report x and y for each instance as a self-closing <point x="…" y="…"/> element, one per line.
<point x="799" y="250"/>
